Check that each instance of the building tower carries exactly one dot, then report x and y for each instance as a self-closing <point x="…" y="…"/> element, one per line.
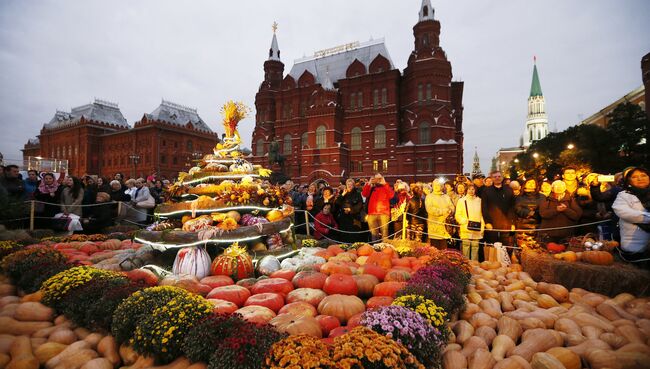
<point x="476" y="166"/>
<point x="537" y="120"/>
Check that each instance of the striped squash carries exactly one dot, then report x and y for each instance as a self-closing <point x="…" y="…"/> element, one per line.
<point x="234" y="262"/>
<point x="192" y="260"/>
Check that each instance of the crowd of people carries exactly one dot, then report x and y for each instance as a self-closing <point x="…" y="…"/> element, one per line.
<point x="468" y="214"/>
<point x="473" y="214"/>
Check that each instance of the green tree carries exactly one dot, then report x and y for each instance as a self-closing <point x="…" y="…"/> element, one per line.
<point x="628" y="126"/>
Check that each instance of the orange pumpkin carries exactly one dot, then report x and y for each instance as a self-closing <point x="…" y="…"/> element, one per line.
<point x="287" y="274"/>
<point x="378" y="301"/>
<point x="335" y="249"/>
<point x="340" y="284"/>
<point x="397" y="275"/>
<point x="597" y="257"/>
<point x="335" y="267"/>
<point x="365" y="284"/>
<point x="274" y="215"/>
<point x="256" y="314"/>
<point x="388" y="288"/>
<point x="299" y="308"/>
<point x="327" y="323"/>
<point x="223" y="306"/>
<point x="234" y="262"/>
<point x="354" y="321"/>
<point x="293" y="325"/>
<point x="309" y="279"/>
<point x="380" y="259"/>
<point x="273" y="301"/>
<point x="375" y="270"/>
<point x="277" y="285"/>
<point x="235" y="294"/>
<point x="342" y="307"/>
<point x="308" y="295"/>
<point x="402" y="262"/>
<point x="324" y="254"/>
<point x="365" y="250"/>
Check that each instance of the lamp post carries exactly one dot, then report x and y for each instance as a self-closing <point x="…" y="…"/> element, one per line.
<point x="134" y="159"/>
<point x="570" y="146"/>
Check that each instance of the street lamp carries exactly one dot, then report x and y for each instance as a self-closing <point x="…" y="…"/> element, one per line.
<point x="535" y="155"/>
<point x="570" y="146"/>
<point x="134" y="159"/>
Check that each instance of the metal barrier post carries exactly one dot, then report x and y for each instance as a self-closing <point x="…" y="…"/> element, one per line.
<point x="307" y="222"/>
<point x="119" y="209"/>
<point x="404" y="225"/>
<point x="31" y="215"/>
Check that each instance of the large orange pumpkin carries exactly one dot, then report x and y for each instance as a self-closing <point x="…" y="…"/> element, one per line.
<point x="310" y="295"/>
<point x="273" y="301"/>
<point x="293" y="325"/>
<point x="365" y="284"/>
<point x="287" y="274"/>
<point x="340" y="284"/>
<point x="338" y="267"/>
<point x="327" y="323"/>
<point x="388" y="288"/>
<point x="397" y="275"/>
<point x="354" y="320"/>
<point x="223" y="306"/>
<point x="234" y="262"/>
<point x="377" y="301"/>
<point x="215" y="281"/>
<point x="335" y="249"/>
<point x="235" y="294"/>
<point x="403" y="262"/>
<point x="372" y="269"/>
<point x="299" y="308"/>
<point x="342" y="307"/>
<point x="277" y="285"/>
<point x="380" y="259"/>
<point x="256" y="314"/>
<point x="597" y="257"/>
<point x="309" y="279"/>
<point x="365" y="250"/>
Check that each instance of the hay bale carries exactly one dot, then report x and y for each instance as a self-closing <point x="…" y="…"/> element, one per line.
<point x="608" y="280"/>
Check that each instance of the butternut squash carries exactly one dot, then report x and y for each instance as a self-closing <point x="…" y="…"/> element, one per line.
<point x="33" y="312"/>
<point x="48" y="350"/>
<point x="81" y="332"/>
<point x="631" y="333"/>
<point x="127" y="354"/>
<point x="574" y="340"/>
<point x="180" y="363"/>
<point x="600" y="359"/>
<point x="481" y="359"/>
<point x="589" y="345"/>
<point x="64" y="336"/>
<point x="612" y="311"/>
<point x="623" y="298"/>
<point x="506" y="301"/>
<point x="513" y="362"/>
<point x="614" y="340"/>
<point x="200" y="365"/>
<point x="6" y="300"/>
<point x="557" y="291"/>
<point x="635" y="347"/>
<point x="481" y="319"/>
<point x="107" y="348"/>
<point x="452" y="347"/>
<point x="141" y="363"/>
<point x="536" y="340"/>
<point x="584" y="319"/>
<point x="463" y="331"/>
<point x="474" y="297"/>
<point x="491" y="307"/>
<point x="471" y="345"/>
<point x="7" y="289"/>
<point x="470" y="309"/>
<point x="98" y="363"/>
<point x="21" y="354"/>
<point x="454" y="360"/>
<point x="5" y="342"/>
<point x="517" y="285"/>
<point x="633" y="360"/>
<point x="77" y="359"/>
<point x="68" y="351"/>
<point x="9" y="310"/>
<point x="542" y="360"/>
<point x="37" y="342"/>
<point x="531" y="323"/>
<point x="592" y="332"/>
<point x="509" y="327"/>
<point x="46" y="332"/>
<point x="33" y="297"/>
<point x="4" y="360"/>
<point x="60" y="320"/>
<point x="93" y="339"/>
<point x="501" y="345"/>
<point x="568" y="358"/>
<point x="593" y="299"/>
<point x="486" y="333"/>
<point x="546" y="301"/>
<point x="12" y="326"/>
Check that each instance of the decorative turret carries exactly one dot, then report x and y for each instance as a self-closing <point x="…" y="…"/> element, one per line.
<point x="537" y="120"/>
<point x="426" y="11"/>
<point x="273" y="66"/>
<point x="476" y="165"/>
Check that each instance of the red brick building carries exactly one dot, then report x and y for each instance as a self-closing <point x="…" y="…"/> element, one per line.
<point x="96" y="139"/>
<point x="348" y="112"/>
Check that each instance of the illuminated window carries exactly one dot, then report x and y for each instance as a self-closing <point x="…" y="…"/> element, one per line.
<point x="375" y="166"/>
<point x="360" y="166"/>
<point x="384" y="165"/>
<point x="321" y="142"/>
<point x="355" y="138"/>
<point x="380" y="137"/>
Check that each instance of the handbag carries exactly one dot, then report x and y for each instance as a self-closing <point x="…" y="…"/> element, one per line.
<point x="149" y="203"/>
<point x="471" y="224"/>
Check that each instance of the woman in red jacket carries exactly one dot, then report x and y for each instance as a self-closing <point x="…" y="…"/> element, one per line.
<point x="378" y="194"/>
<point x="325" y="223"/>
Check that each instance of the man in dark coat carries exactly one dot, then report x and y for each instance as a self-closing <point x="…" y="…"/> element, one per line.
<point x="498" y="205"/>
<point x="349" y="204"/>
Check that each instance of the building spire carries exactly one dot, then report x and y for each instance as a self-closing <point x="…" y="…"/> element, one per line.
<point x="535" y="87"/>
<point x="476" y="165"/>
<point x="274" y="51"/>
<point x="426" y="11"/>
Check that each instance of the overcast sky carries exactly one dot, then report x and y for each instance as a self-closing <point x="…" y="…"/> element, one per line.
<point x="61" y="54"/>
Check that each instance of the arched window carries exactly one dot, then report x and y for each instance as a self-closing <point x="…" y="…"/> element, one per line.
<point x="384" y="96"/>
<point x="380" y="137"/>
<point x="424" y="131"/>
<point x="420" y="94"/>
<point x="190" y="146"/>
<point x="304" y="140"/>
<point x="353" y="101"/>
<point x="539" y="134"/>
<point x="428" y="91"/>
<point x="375" y="98"/>
<point x="355" y="138"/>
<point x="321" y="142"/>
<point x="286" y="144"/>
<point x="530" y="133"/>
<point x="259" y="148"/>
<point x="360" y="99"/>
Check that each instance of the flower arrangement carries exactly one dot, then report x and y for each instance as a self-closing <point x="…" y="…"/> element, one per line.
<point x="8" y="247"/>
<point x="445" y="279"/>
<point x="139" y="305"/>
<point x="408" y="328"/>
<point x="247" y="349"/>
<point x="428" y="309"/>
<point x="356" y="245"/>
<point x="59" y="285"/>
<point x="297" y="352"/>
<point x="309" y="242"/>
<point x="364" y="348"/>
<point x="162" y="333"/>
<point x="452" y="257"/>
<point x="29" y="268"/>
<point x="420" y="289"/>
<point x="92" y="305"/>
<point x="204" y="337"/>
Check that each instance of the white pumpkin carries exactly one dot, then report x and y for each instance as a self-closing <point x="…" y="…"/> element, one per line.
<point x="192" y="260"/>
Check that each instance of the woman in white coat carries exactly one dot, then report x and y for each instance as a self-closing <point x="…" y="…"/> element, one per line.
<point x="468" y="208"/>
<point x="141" y="202"/>
<point x="632" y="206"/>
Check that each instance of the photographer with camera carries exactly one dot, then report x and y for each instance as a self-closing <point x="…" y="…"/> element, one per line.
<point x="378" y="194"/>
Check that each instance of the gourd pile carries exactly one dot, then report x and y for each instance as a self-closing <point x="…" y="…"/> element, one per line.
<point x="511" y="321"/>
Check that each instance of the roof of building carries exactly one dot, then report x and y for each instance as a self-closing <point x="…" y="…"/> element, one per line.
<point x="512" y="149"/>
<point x="274" y="52"/>
<point x="535" y="87"/>
<point x="179" y="115"/>
<point x="99" y="110"/>
<point x="34" y="141"/>
<point x="335" y="62"/>
<point x="426" y="11"/>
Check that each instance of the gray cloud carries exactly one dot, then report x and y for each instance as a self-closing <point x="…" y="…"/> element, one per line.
<point x="59" y="54"/>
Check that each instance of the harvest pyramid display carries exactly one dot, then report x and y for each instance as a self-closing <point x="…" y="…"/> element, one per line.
<point x="223" y="199"/>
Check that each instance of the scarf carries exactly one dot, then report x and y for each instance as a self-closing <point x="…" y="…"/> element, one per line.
<point x="48" y="189"/>
<point x="643" y="194"/>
